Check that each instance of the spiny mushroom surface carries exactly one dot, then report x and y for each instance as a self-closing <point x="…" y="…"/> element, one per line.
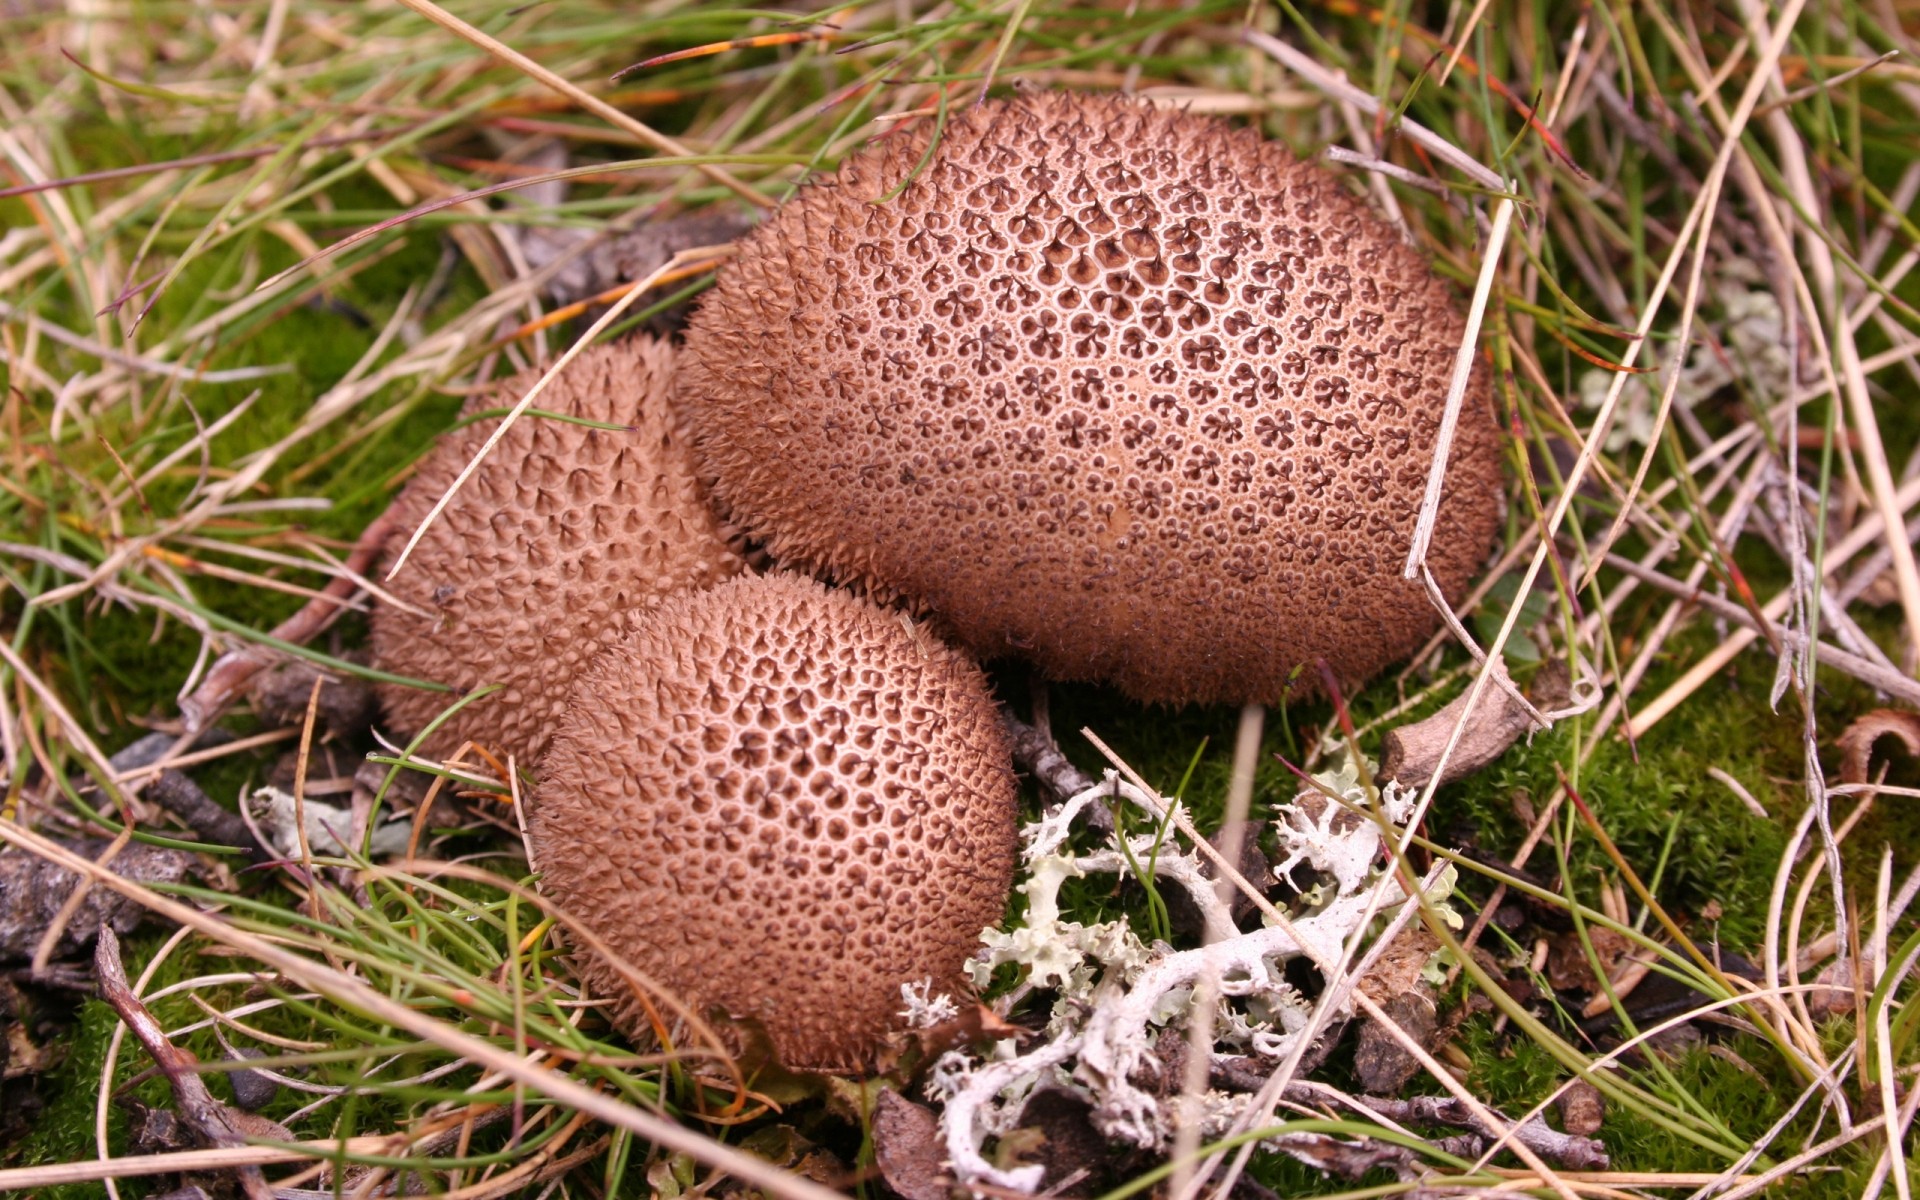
<point x="780" y="802"/>
<point x="543" y="557"/>
<point x="1130" y="391"/>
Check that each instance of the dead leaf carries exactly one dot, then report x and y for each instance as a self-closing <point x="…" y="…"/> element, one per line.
<point x="1077" y="1157"/>
<point x="787" y="1148"/>
<point x="1833" y="993"/>
<point x="1381" y="1062"/>
<point x="908" y="1148"/>
<point x="1582" y="1109"/>
<point x="1567" y="966"/>
<point x="1398" y="968"/>
<point x="972" y="1025"/>
<point x="1856" y="744"/>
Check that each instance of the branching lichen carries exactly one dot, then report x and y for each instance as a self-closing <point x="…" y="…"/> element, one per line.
<point x="1114" y="993"/>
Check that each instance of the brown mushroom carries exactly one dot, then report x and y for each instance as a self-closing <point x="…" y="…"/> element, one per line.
<point x="781" y="803"/>
<point x="1130" y="391"/>
<point x="562" y="536"/>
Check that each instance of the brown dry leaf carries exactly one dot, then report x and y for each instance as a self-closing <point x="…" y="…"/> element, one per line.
<point x="976" y="1024"/>
<point x="1856" y="744"/>
<point x="1077" y="1157"/>
<point x="1582" y="1109"/>
<point x="1833" y="993"/>
<point x="1382" y="1064"/>
<point x="784" y="1146"/>
<point x="1567" y="967"/>
<point x="1398" y="968"/>
<point x="32" y="891"/>
<point x="908" y="1149"/>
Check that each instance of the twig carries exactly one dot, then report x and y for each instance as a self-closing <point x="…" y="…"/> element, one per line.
<point x="211" y="1120"/>
<point x="17" y="1180"/>
<point x="1366" y="162"/>
<point x="1035" y="751"/>
<point x="1565" y="1150"/>
<point x="1410" y="751"/>
<point x="1200" y="1031"/>
<point x="236" y="668"/>
<point x="1833" y="81"/>
<point x="1335" y="84"/>
<point x="1041" y="758"/>
<point x="183" y="798"/>
<point x="1866" y="671"/>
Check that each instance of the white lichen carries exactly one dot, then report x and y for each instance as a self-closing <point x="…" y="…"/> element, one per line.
<point x="1115" y="994"/>
<point x="1747" y="342"/>
<point x="924" y="1009"/>
<point x="1337" y="837"/>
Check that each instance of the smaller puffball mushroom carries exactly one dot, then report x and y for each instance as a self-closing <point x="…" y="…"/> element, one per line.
<point x="562" y="535"/>
<point x="781" y="803"/>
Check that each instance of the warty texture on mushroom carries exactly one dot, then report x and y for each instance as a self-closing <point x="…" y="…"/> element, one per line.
<point x="1129" y="391"/>
<point x="563" y="535"/>
<point x="783" y="804"/>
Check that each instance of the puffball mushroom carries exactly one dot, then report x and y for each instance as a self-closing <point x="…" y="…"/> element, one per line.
<point x="561" y="536"/>
<point x="781" y="803"/>
<point x="1130" y="391"/>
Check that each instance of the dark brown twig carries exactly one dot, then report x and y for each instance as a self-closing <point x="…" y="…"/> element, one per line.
<point x="230" y="675"/>
<point x="1348" y="1160"/>
<point x="210" y="1120"/>
<point x="1567" y="1150"/>
<point x="183" y="798"/>
<point x="1570" y="1151"/>
<point x="1037" y="754"/>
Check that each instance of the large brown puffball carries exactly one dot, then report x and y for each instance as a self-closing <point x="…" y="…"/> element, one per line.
<point x="781" y="803"/>
<point x="1129" y="391"/>
<point x="561" y="537"/>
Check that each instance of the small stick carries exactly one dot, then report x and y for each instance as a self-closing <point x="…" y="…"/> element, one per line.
<point x="14" y="1180"/>
<point x="1041" y="757"/>
<point x="1566" y="1150"/>
<point x="1865" y="670"/>
<point x="1233" y="829"/>
<point x="1337" y="86"/>
<point x="183" y="798"/>
<point x="1411" y="750"/>
<point x="236" y="668"/>
<point x="207" y="1117"/>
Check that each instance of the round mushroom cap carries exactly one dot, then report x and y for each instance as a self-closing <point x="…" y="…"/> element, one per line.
<point x="780" y="803"/>
<point x="563" y="534"/>
<point x="1129" y="391"/>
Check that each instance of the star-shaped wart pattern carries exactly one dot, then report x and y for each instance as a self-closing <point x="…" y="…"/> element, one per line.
<point x="1131" y="392"/>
